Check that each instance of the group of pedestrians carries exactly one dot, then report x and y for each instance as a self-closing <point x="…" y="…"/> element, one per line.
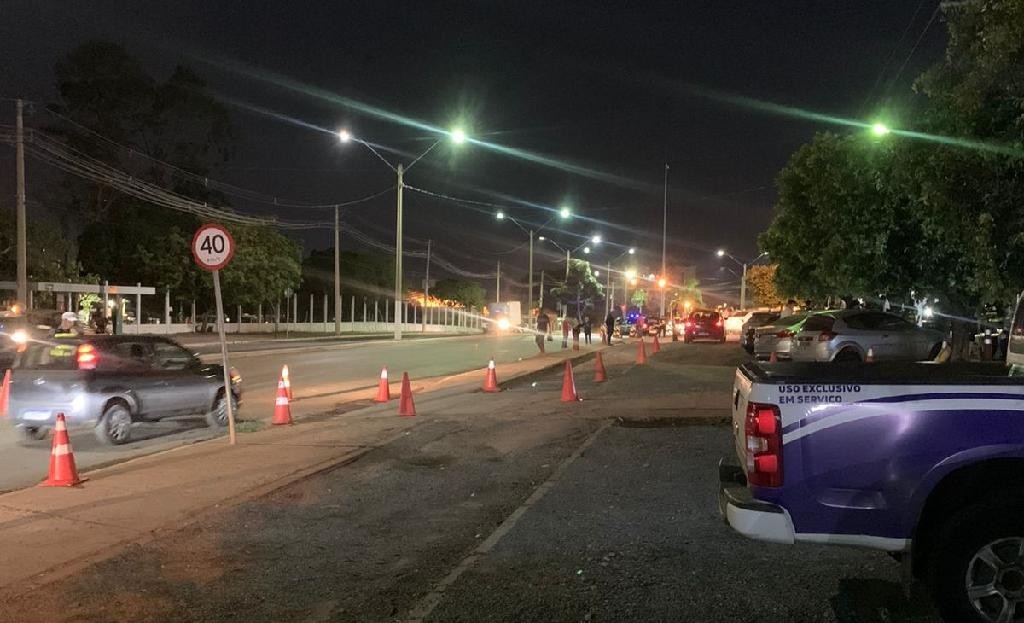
<point x="583" y="324"/>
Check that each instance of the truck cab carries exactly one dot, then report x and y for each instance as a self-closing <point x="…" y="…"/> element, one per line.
<point x="922" y="460"/>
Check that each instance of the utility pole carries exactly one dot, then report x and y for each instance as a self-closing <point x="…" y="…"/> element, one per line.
<point x="426" y="288"/>
<point x="664" y="238"/>
<point x="497" y="285"/>
<point x="743" y="289"/>
<point x="22" y="235"/>
<point x="398" y="254"/>
<point x="337" y="273"/>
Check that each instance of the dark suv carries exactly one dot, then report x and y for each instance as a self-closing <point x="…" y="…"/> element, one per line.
<point x="704" y="325"/>
<point x="108" y="382"/>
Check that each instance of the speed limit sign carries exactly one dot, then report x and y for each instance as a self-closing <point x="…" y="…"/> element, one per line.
<point x="212" y="247"/>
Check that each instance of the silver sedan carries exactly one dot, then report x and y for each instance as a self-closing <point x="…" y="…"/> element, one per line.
<point x="850" y="334"/>
<point x="777" y="337"/>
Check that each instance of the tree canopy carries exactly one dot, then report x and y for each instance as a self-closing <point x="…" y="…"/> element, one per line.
<point x="469" y="293"/>
<point x="581" y="287"/>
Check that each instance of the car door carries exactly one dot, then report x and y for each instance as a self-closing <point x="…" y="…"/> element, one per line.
<point x="874" y="331"/>
<point x="184" y="389"/>
<point x="904" y="342"/>
<point x="126" y="365"/>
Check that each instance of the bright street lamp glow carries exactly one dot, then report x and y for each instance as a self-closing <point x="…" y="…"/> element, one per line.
<point x="720" y="253"/>
<point x="597" y="273"/>
<point x="662" y="282"/>
<point x="596" y="239"/>
<point x="586" y="249"/>
<point x="631" y="274"/>
<point x="880" y="129"/>
<point x="541" y="238"/>
<point x="565" y="212"/>
<point x="500" y="215"/>
<point x="458" y="136"/>
<point x="344" y="136"/>
<point x="632" y="250"/>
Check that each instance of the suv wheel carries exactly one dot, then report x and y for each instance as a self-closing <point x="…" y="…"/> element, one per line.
<point x="977" y="570"/>
<point x="115" y="426"/>
<point x="218" y="416"/>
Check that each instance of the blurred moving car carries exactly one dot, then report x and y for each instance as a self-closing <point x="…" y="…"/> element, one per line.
<point x="848" y="335"/>
<point x="704" y="325"/>
<point x="734" y="325"/>
<point x="777" y="337"/>
<point x="108" y="382"/>
<point x="753" y="321"/>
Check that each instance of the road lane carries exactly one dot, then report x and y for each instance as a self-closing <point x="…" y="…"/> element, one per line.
<point x="316" y="369"/>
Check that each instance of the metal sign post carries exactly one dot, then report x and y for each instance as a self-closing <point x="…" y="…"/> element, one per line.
<point x="212" y="248"/>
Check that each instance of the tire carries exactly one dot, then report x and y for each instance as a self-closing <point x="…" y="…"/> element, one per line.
<point x="988" y="531"/>
<point x="217" y="417"/>
<point x="847" y="355"/>
<point x="29" y="435"/>
<point x="115" y="425"/>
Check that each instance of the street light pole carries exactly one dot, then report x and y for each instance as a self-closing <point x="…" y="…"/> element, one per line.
<point x="337" y="273"/>
<point x="398" y="254"/>
<point x="743" y="288"/>
<point x="529" y="298"/>
<point x="664" y="237"/>
<point x="22" y="232"/>
<point x="426" y="289"/>
<point x="497" y="284"/>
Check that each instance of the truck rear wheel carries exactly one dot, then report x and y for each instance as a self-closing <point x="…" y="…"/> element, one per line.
<point x="977" y="562"/>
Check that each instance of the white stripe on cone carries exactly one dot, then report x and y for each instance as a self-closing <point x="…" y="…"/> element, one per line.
<point x="384" y="373"/>
<point x="282" y="400"/>
<point x="490" y="365"/>
<point x="61" y="449"/>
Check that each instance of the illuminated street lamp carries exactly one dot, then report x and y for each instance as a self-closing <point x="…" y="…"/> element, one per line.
<point x="662" y="283"/>
<point x="457" y="136"/>
<point x="500" y="215"/>
<point x="880" y="129"/>
<point x="565" y="212"/>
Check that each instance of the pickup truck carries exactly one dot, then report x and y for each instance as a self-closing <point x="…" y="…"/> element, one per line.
<point x="922" y="460"/>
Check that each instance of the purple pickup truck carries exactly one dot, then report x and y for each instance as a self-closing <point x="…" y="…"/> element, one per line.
<point x="923" y="460"/>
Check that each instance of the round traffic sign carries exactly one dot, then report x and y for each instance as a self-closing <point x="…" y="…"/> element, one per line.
<point x="212" y="247"/>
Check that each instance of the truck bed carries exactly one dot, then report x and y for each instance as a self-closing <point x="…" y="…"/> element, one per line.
<point x="894" y="373"/>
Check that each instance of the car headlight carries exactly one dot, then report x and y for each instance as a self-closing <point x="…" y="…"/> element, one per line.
<point x="503" y="324"/>
<point x="20" y="336"/>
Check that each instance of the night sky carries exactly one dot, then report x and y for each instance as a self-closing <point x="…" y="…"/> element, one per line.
<point x="614" y="90"/>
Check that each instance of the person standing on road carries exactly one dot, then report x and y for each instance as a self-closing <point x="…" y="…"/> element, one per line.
<point x="543" y="329"/>
<point x="587" y="328"/>
<point x="566" y="327"/>
<point x="609" y="325"/>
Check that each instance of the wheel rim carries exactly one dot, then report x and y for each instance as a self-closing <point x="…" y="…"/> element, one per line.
<point x="995" y="580"/>
<point x="119" y="423"/>
<point x="221" y="412"/>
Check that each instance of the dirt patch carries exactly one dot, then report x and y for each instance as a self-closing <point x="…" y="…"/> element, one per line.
<point x="716" y="417"/>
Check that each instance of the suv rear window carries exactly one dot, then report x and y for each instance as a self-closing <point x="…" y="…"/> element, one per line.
<point x="705" y="316"/>
<point x="41" y="356"/>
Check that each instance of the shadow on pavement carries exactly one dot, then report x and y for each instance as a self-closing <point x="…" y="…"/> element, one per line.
<point x="869" y="600"/>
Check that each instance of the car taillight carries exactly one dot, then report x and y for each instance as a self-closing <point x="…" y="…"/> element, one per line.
<point x="826" y="336"/>
<point x="764" y="445"/>
<point x="87" y="357"/>
<point x="784" y="333"/>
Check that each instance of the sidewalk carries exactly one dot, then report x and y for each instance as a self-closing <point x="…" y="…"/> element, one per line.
<point x="49" y="534"/>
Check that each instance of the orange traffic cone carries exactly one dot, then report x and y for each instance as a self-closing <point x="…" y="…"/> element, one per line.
<point x="287" y="381"/>
<point x="870" y="357"/>
<point x="568" y="384"/>
<point x="282" y="412"/>
<point x="491" y="382"/>
<point x="773" y="358"/>
<point x="63" y="472"/>
<point x="641" y="352"/>
<point x="599" y="374"/>
<point x="5" y="393"/>
<point x="405" y="404"/>
<point x="383" y="388"/>
<point x="656" y="346"/>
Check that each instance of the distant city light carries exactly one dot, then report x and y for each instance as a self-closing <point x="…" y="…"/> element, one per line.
<point x="344" y="136"/>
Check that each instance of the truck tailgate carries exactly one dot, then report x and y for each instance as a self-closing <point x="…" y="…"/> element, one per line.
<point x="740" y="396"/>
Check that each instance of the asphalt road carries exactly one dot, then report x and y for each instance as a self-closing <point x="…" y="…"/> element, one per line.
<point x="317" y="369"/>
<point x="526" y="510"/>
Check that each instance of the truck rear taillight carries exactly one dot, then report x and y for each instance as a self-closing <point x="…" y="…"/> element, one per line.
<point x="764" y="445"/>
<point x="86" y="357"/>
<point x="784" y="333"/>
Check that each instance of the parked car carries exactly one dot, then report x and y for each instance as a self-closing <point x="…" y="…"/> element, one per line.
<point x="108" y="382"/>
<point x="777" y="337"/>
<point x="753" y="321"/>
<point x="704" y="325"/>
<point x="848" y="335"/>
